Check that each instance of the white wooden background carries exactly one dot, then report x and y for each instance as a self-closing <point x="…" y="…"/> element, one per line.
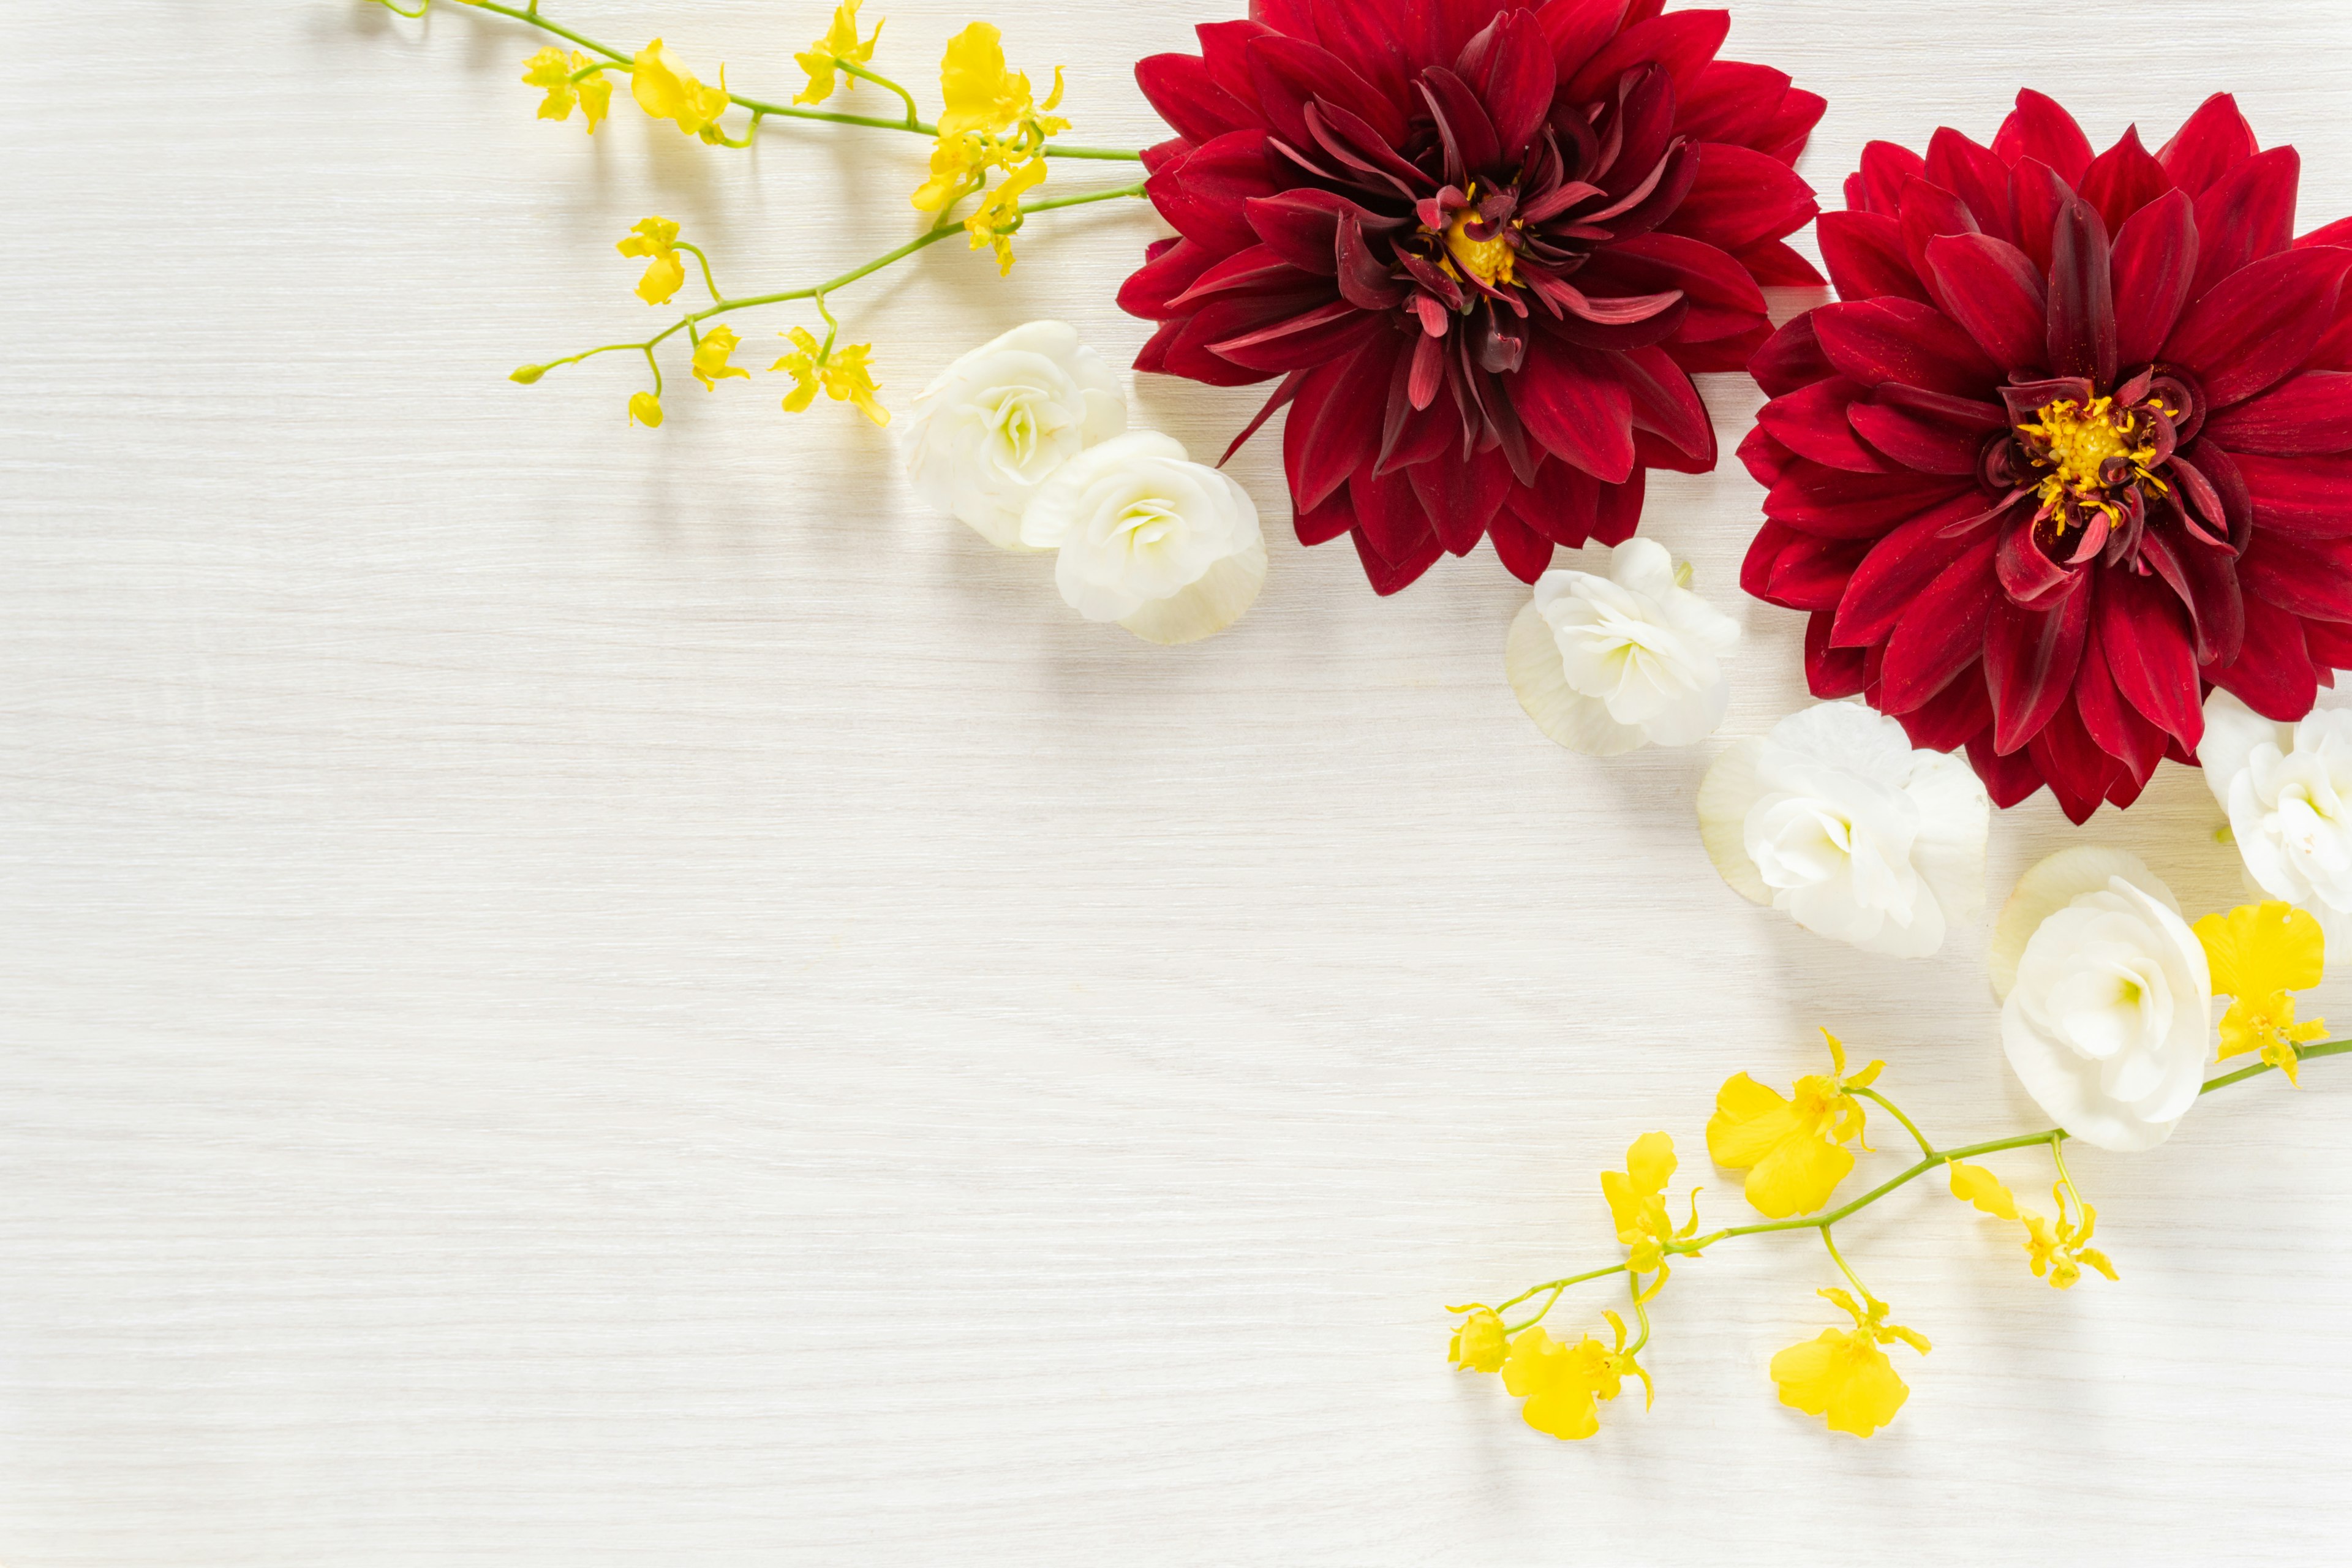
<point x="576" y="995"/>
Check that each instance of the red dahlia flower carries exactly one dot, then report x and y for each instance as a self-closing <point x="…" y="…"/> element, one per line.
<point x="1482" y="242"/>
<point x="2070" y="452"/>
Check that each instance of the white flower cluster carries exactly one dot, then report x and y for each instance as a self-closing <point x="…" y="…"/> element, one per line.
<point x="1025" y="439"/>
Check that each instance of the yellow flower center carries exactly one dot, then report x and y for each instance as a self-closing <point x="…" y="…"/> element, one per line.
<point x="1491" y="261"/>
<point x="2082" y="441"/>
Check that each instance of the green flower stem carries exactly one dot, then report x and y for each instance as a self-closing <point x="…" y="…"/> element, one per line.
<point x="817" y="291"/>
<point x="1931" y="1159"/>
<point x="1896" y="1111"/>
<point x="529" y="16"/>
<point x="914" y="115"/>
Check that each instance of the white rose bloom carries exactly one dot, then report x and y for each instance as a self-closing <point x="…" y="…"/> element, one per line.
<point x="1605" y="665"/>
<point x="1834" y="819"/>
<point x="1000" y="421"/>
<point x="1168" y="548"/>
<point x="2107" y="1002"/>
<point x="2288" y="791"/>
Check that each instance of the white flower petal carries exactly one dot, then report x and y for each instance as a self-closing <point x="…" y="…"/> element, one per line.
<point x="2050" y="887"/>
<point x="1726" y="795"/>
<point x="1581" y="723"/>
<point x="1208" y="607"/>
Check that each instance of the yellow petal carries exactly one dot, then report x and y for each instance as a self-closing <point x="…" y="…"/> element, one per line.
<point x="1532" y="1355"/>
<point x="1975" y="1184"/>
<point x="1649" y="1161"/>
<point x="2259" y="949"/>
<point x="663" y="275"/>
<point x="595" y="100"/>
<point x="644" y="409"/>
<point x="1798" y="1177"/>
<point x="1566" y="1410"/>
<point x="1749" y="1121"/>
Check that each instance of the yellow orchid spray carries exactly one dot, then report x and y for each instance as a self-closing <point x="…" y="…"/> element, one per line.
<point x="991" y="127"/>
<point x="1798" y="1148"/>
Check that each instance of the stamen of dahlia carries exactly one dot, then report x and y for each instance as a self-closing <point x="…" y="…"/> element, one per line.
<point x="2089" y="450"/>
<point x="1491" y="261"/>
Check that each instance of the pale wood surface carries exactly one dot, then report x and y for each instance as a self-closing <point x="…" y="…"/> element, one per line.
<point x="576" y="995"/>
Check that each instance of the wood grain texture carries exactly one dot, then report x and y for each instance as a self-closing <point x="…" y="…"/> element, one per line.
<point x="583" y="996"/>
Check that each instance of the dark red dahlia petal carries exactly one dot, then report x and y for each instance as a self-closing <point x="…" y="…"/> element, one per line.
<point x="1357" y="145"/>
<point x="1393" y="576"/>
<point x="1173" y="267"/>
<point x="2079" y="775"/>
<point x="2307" y="415"/>
<point x="1740" y="198"/>
<point x="1636" y="129"/>
<point x="1201" y="195"/>
<point x="1765" y="550"/>
<point x="2038" y="128"/>
<point x="1460" y="495"/>
<point x="1302" y="226"/>
<point x="1224" y="48"/>
<point x="1813" y="424"/>
<point x="1359" y="33"/>
<point x="1617" y="510"/>
<point x="2219" y="467"/>
<point x="1684" y="43"/>
<point x="1811" y="573"/>
<point x="1929" y="212"/>
<point x="2008" y="780"/>
<point x="2215" y="141"/>
<point x="2338" y="233"/>
<point x="1886" y="169"/>
<point x="1877" y="340"/>
<point x="1978" y="177"/>
<point x="2122" y="180"/>
<point x="1510" y="66"/>
<point x="2257" y="325"/>
<point x="1865" y="257"/>
<point x="1791" y="358"/>
<point x="1842" y="505"/>
<point x="1296" y="18"/>
<point x="1719" y="353"/>
<point x="1724" y="298"/>
<point x="1192" y="351"/>
<point x="2028" y="575"/>
<point x="2329" y="644"/>
<point x="1153" y="355"/>
<point x="1993" y="290"/>
<point x="1668" y="405"/>
<point x="1942" y="632"/>
<point x="2030" y="658"/>
<point x="2114" y="726"/>
<point x="1892" y="576"/>
<point x="1304" y="340"/>
<point x="1563" y="505"/>
<point x="1581" y="413"/>
<point x="1524" y="552"/>
<point x="1578" y="29"/>
<point x="1291" y="72"/>
<point x="1917" y="441"/>
<point x="1389" y="515"/>
<point x="2151" y="653"/>
<point x="1734" y="101"/>
<point x="1326" y="522"/>
<point x="2274" y="674"/>
<point x="2155" y="258"/>
<point x="1181" y="89"/>
<point x="2082" y="336"/>
<point x="2205" y="580"/>
<point x="1763" y="456"/>
<point x="1411" y="435"/>
<point x="1472" y="145"/>
<point x="2246" y="214"/>
<point x="1966" y="413"/>
<point x="1260" y="270"/>
<point x="1947" y="720"/>
<point x="1832" y="672"/>
<point x="2039" y="194"/>
<point x="2312" y="577"/>
<point x="1793" y="127"/>
<point x="1335" y="421"/>
<point x="1777" y="264"/>
<point x="2310" y="498"/>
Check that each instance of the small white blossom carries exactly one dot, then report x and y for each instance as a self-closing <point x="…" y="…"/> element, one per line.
<point x="1169" y="548"/>
<point x="2288" y="791"/>
<point x="2108" y="1000"/>
<point x="1837" y="819"/>
<point x="1605" y="665"/>
<point x="1000" y="421"/>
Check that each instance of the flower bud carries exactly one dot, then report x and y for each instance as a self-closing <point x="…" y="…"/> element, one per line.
<point x="527" y="373"/>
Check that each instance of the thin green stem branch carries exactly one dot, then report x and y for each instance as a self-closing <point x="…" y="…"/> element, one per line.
<point x="1930" y="1159"/>
<point x="914" y="115"/>
<point x="913" y="122"/>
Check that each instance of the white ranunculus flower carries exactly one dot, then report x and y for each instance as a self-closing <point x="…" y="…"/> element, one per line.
<point x="1604" y="665"/>
<point x="1834" y="819"/>
<point x="1168" y="548"/>
<point x="2288" y="791"/>
<point x="1000" y="421"/>
<point x="2106" y="1000"/>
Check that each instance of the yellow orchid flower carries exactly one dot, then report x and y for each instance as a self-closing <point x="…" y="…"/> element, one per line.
<point x="996" y="220"/>
<point x="551" y="69"/>
<point x="646" y="409"/>
<point x="839" y="47"/>
<point x="976" y="92"/>
<point x="667" y="90"/>
<point x="1637" y="1205"/>
<point x="1793" y="1150"/>
<point x="990" y="120"/>
<point x="710" y="366"/>
<point x="2258" y="952"/>
<point x="1843" y="1375"/>
<point x="1563" y="1384"/>
<point x="2058" y="1250"/>
<point x="657" y="239"/>
<point x="1478" y="1343"/>
<point x="842" y="374"/>
<point x="958" y="164"/>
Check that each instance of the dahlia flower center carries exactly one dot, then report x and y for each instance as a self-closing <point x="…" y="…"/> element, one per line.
<point x="2086" y="452"/>
<point x="1492" y="261"/>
